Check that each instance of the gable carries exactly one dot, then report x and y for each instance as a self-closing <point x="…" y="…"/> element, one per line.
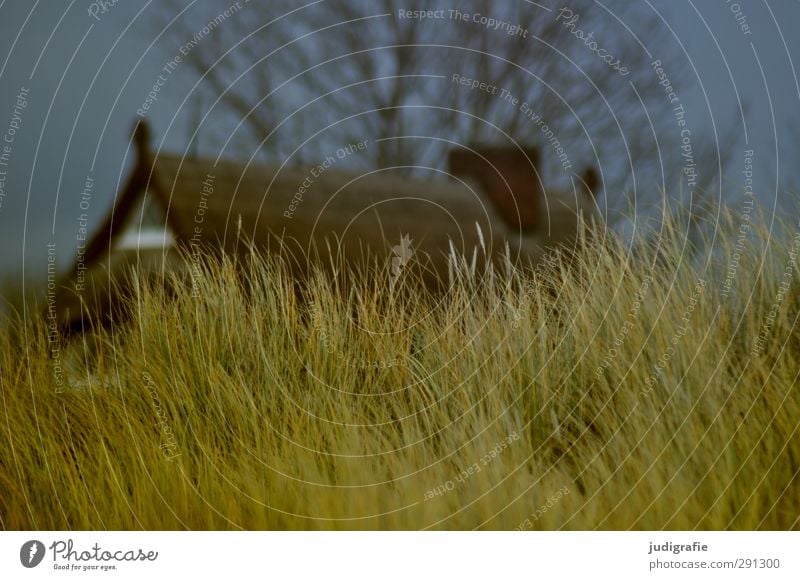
<point x="145" y="227"/>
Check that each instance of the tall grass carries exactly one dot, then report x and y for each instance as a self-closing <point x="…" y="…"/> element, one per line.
<point x="619" y="392"/>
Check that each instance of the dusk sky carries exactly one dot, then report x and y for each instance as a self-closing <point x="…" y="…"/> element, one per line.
<point x="72" y="83"/>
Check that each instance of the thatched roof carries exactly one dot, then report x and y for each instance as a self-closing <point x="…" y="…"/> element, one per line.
<point x="218" y="205"/>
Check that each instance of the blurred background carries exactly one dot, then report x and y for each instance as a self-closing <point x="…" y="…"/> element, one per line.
<point x="674" y="98"/>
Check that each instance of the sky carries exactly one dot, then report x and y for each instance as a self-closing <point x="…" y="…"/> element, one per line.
<point x="72" y="79"/>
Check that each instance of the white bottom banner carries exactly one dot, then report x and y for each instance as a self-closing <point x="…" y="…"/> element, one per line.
<point x="354" y="555"/>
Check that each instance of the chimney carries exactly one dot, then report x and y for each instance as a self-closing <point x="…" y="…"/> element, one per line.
<point x="508" y="176"/>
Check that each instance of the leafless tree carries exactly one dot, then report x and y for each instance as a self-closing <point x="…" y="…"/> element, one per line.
<point x="296" y="81"/>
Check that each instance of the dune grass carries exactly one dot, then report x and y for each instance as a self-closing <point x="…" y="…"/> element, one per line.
<point x="622" y="392"/>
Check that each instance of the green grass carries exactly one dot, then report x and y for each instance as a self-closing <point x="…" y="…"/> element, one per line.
<point x="499" y="404"/>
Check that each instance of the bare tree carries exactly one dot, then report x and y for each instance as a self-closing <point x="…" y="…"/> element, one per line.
<point x="299" y="81"/>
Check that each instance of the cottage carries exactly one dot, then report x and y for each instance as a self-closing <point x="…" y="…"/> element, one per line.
<point x="173" y="206"/>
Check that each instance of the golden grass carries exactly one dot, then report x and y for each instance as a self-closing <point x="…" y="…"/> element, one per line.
<point x="622" y="393"/>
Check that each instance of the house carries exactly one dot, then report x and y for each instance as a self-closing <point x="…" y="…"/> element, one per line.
<point x="173" y="206"/>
